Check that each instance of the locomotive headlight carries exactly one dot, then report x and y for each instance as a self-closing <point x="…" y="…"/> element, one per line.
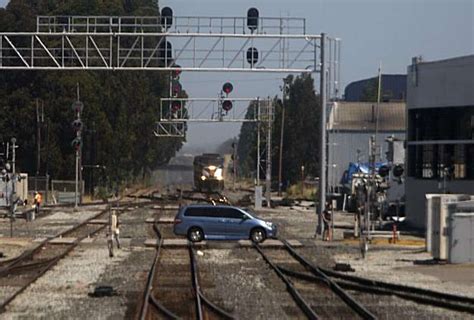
<point x="218" y="174"/>
<point x="203" y="178"/>
<point x="212" y="168"/>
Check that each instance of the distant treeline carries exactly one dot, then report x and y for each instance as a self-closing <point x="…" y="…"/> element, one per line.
<point x="120" y="108"/>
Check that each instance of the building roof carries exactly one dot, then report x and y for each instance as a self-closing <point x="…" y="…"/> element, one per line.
<point x="360" y="116"/>
<point x="394" y="88"/>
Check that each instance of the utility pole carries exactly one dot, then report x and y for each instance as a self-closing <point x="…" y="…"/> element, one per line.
<point x="13" y="180"/>
<point x="282" y="129"/>
<point x="39" y="121"/>
<point x="77" y="106"/>
<point x="322" y="141"/>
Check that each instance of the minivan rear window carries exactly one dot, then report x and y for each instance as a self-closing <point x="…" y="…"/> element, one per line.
<point x="201" y="212"/>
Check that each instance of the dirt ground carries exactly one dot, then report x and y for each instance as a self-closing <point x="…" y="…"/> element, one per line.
<point x="235" y="277"/>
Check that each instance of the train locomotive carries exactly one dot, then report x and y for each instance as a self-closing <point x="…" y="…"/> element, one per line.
<point x="209" y="172"/>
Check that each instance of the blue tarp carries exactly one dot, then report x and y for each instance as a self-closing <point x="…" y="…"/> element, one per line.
<point x="355" y="167"/>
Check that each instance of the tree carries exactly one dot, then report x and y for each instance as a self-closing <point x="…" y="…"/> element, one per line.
<point x="120" y="110"/>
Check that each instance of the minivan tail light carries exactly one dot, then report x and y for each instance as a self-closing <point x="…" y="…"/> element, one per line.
<point x="177" y="221"/>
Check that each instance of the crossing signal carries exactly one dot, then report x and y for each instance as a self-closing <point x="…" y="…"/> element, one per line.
<point x="166" y="17"/>
<point x="227" y="105"/>
<point x="252" y="19"/>
<point x="227" y="88"/>
<point x="252" y="55"/>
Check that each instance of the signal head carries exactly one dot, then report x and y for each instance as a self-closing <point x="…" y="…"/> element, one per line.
<point x="227" y="105"/>
<point x="227" y="87"/>
<point x="175" y="106"/>
<point x="77" y="124"/>
<point x="398" y="170"/>
<point x="384" y="171"/>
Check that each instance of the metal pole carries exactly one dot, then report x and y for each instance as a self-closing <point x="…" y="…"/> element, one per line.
<point x="79" y="153"/>
<point x="258" y="142"/>
<point x="282" y="128"/>
<point x="38" y="145"/>
<point x="322" y="141"/>
<point x="268" y="174"/>
<point x="77" y="179"/>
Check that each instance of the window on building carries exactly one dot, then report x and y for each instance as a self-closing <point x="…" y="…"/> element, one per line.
<point x="452" y="123"/>
<point x="455" y="161"/>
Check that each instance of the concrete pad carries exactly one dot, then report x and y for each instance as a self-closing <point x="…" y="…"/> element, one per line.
<point x="270" y="243"/>
<point x="39" y="239"/>
<point x="160" y="220"/>
<point x="172" y="243"/>
<point x="98" y="221"/>
<point x="65" y="240"/>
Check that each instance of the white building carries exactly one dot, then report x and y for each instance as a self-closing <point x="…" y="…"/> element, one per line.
<point x="350" y="126"/>
<point x="440" y="134"/>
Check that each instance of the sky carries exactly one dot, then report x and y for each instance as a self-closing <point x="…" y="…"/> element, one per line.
<point x="373" y="32"/>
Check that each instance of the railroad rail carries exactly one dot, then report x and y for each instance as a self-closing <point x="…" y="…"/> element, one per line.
<point x="32" y="264"/>
<point x="302" y="303"/>
<point x="360" y="284"/>
<point x="150" y="304"/>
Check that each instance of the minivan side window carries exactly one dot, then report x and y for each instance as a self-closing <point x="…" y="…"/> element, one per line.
<point x="231" y="213"/>
<point x="201" y="212"/>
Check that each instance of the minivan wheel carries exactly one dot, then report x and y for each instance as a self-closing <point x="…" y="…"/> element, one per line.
<point x="195" y="234"/>
<point x="257" y="235"/>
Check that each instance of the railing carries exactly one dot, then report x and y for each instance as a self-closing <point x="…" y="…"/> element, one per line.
<point x="183" y="24"/>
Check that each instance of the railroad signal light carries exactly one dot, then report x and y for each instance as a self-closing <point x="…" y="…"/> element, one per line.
<point x="77" y="125"/>
<point x="165" y="52"/>
<point x="252" y="55"/>
<point x="166" y="17"/>
<point x="176" y="88"/>
<point x="175" y="106"/>
<point x="77" y="106"/>
<point x="175" y="73"/>
<point x="227" y="88"/>
<point x="252" y="19"/>
<point x="398" y="170"/>
<point x="384" y="171"/>
<point x="227" y="105"/>
<point x="76" y="143"/>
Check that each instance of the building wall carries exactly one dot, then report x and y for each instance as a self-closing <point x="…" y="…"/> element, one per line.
<point x="446" y="83"/>
<point x="416" y="189"/>
<point x="342" y="149"/>
<point x="440" y="84"/>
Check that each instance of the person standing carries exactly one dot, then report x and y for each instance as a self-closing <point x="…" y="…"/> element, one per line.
<point x="327" y="217"/>
<point x="37" y="201"/>
<point x="113" y="233"/>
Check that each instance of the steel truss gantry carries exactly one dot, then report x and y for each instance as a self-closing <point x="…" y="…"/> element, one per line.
<point x="187" y="44"/>
<point x="143" y="43"/>
<point x="203" y="110"/>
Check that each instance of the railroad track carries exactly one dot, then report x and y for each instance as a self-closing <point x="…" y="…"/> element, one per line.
<point x="25" y="269"/>
<point x="173" y="290"/>
<point x="339" y="283"/>
<point x="330" y="298"/>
